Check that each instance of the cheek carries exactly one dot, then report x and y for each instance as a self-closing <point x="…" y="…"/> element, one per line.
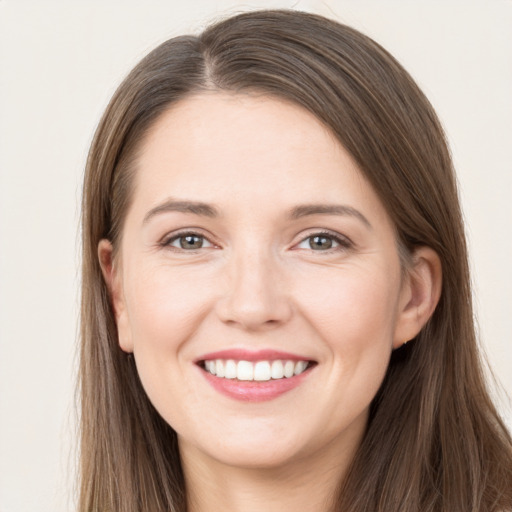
<point x="353" y="311"/>
<point x="165" y="306"/>
<point x="354" y="314"/>
<point x="352" y="306"/>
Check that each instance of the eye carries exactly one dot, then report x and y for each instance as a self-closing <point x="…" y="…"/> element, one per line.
<point x="324" y="242"/>
<point x="188" y="242"/>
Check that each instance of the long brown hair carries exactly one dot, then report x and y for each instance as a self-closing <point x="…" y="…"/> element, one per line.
<point x="434" y="441"/>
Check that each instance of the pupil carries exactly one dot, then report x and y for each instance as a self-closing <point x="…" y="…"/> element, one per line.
<point x="320" y="242"/>
<point x="191" y="242"/>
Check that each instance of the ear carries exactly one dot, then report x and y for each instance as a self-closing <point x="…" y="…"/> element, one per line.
<point x="113" y="279"/>
<point x="419" y="296"/>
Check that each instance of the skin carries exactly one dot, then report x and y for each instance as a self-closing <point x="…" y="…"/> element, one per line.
<point x="257" y="283"/>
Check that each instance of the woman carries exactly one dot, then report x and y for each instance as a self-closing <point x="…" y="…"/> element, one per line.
<point x="276" y="310"/>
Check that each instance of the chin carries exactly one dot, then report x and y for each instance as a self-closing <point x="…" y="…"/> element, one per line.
<point x="256" y="448"/>
<point x="257" y="457"/>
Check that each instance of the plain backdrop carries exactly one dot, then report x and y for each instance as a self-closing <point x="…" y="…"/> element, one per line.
<point x="59" y="64"/>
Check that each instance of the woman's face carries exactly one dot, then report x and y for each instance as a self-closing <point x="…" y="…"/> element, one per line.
<point x="254" y="247"/>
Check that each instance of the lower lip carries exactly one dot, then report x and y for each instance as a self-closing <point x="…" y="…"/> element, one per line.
<point x="254" y="391"/>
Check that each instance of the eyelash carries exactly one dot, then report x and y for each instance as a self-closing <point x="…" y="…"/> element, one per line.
<point x="166" y="242"/>
<point x="343" y="243"/>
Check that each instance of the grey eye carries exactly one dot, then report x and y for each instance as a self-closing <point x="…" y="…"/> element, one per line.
<point x="189" y="241"/>
<point x="320" y="242"/>
<point x="325" y="242"/>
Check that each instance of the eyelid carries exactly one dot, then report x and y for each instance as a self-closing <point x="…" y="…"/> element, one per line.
<point x="343" y="242"/>
<point x="174" y="235"/>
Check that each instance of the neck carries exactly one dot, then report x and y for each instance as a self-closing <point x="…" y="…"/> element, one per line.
<point x="308" y="485"/>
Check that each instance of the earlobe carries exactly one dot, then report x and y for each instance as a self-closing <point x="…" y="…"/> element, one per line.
<point x="420" y="295"/>
<point x="112" y="277"/>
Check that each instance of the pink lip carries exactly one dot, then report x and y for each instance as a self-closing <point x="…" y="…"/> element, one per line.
<point x="254" y="391"/>
<point x="249" y="355"/>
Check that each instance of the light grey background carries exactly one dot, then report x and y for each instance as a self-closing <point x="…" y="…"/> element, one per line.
<point x="59" y="64"/>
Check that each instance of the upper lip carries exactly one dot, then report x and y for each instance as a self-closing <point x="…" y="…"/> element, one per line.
<point x="239" y="354"/>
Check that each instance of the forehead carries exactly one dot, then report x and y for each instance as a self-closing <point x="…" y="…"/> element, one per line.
<point x="234" y="125"/>
<point x="243" y="148"/>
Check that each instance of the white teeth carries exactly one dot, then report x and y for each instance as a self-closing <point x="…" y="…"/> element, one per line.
<point x="277" y="371"/>
<point x="300" y="366"/>
<point x="230" y="369"/>
<point x="245" y="370"/>
<point x="289" y="366"/>
<point x="257" y="371"/>
<point x="219" y="368"/>
<point x="262" y="370"/>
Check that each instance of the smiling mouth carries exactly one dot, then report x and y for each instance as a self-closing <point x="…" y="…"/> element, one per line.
<point x="259" y="371"/>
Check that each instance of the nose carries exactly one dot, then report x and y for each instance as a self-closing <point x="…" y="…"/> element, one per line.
<point x="254" y="295"/>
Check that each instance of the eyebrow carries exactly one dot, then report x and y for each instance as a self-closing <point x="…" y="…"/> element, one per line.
<point x="298" y="212"/>
<point x="171" y="205"/>
<point x="328" y="209"/>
